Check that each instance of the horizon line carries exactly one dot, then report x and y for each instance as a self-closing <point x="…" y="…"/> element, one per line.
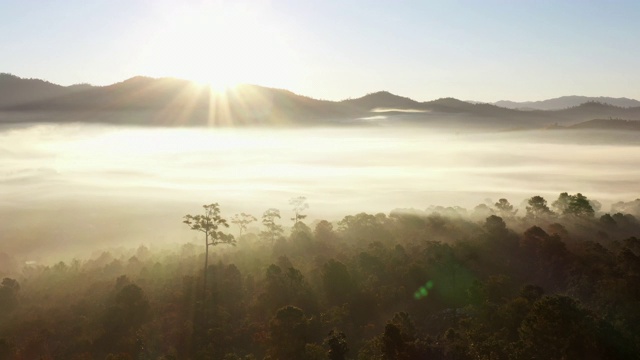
<point x="311" y="97"/>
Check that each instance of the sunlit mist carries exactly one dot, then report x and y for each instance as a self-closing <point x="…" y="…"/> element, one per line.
<point x="145" y="179"/>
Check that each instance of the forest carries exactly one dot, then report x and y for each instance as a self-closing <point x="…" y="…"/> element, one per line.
<point x="555" y="279"/>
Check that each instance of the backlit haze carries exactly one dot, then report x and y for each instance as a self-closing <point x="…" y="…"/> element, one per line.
<point x="82" y="187"/>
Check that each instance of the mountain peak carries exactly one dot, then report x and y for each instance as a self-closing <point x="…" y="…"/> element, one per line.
<point x="382" y="99"/>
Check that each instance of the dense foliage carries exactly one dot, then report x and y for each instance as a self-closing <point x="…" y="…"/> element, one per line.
<point x="561" y="281"/>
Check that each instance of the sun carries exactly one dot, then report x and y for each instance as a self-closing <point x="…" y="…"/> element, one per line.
<point x="221" y="45"/>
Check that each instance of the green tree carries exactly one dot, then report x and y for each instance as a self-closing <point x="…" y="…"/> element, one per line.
<point x="577" y="205"/>
<point x="538" y="208"/>
<point x="505" y="209"/>
<point x="581" y="206"/>
<point x="209" y="223"/>
<point x="273" y="230"/>
<point x="299" y="205"/>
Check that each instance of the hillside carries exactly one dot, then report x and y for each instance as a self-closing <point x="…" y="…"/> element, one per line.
<point x="383" y="100"/>
<point x="564" y="102"/>
<point x="15" y="90"/>
<point x="609" y="124"/>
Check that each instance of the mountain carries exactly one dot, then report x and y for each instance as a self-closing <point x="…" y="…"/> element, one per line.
<point x="595" y="110"/>
<point x="609" y="124"/>
<point x="383" y="100"/>
<point x="168" y="101"/>
<point x="175" y="102"/>
<point x="566" y="102"/>
<point x="15" y="90"/>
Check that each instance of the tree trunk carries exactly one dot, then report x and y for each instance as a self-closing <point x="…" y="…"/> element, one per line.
<point x="206" y="264"/>
<point x="204" y="284"/>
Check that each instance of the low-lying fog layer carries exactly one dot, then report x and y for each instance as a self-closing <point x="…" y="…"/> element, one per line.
<point x="81" y="187"/>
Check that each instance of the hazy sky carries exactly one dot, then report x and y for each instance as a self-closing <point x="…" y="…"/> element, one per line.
<point x="474" y="50"/>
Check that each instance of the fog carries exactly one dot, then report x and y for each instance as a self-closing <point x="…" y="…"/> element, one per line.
<point x="71" y="189"/>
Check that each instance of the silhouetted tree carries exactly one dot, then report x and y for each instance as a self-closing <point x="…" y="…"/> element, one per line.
<point x="562" y="203"/>
<point x="299" y="205"/>
<point x="482" y="211"/>
<point x="538" y="208"/>
<point x="324" y="231"/>
<point x="209" y="223"/>
<point x="505" y="209"/>
<point x="580" y="206"/>
<point x="577" y="205"/>
<point x="495" y="225"/>
<point x="399" y="339"/>
<point x="363" y="227"/>
<point x="242" y="220"/>
<point x="608" y="221"/>
<point x="274" y="230"/>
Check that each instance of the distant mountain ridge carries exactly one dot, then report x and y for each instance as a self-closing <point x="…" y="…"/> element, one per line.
<point x="175" y="102"/>
<point x="609" y="124"/>
<point x="15" y="90"/>
<point x="564" y="102"/>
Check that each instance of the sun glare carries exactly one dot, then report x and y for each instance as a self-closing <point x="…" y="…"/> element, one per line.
<point x="220" y="45"/>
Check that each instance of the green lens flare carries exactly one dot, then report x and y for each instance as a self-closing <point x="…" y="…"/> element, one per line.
<point x="423" y="291"/>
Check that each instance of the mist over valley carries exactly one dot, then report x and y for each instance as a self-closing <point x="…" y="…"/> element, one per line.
<point x="70" y="189"/>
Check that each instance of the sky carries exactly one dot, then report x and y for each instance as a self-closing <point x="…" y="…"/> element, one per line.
<point x="485" y="50"/>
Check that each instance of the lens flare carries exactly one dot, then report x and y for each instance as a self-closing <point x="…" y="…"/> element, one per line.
<point x="423" y="291"/>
